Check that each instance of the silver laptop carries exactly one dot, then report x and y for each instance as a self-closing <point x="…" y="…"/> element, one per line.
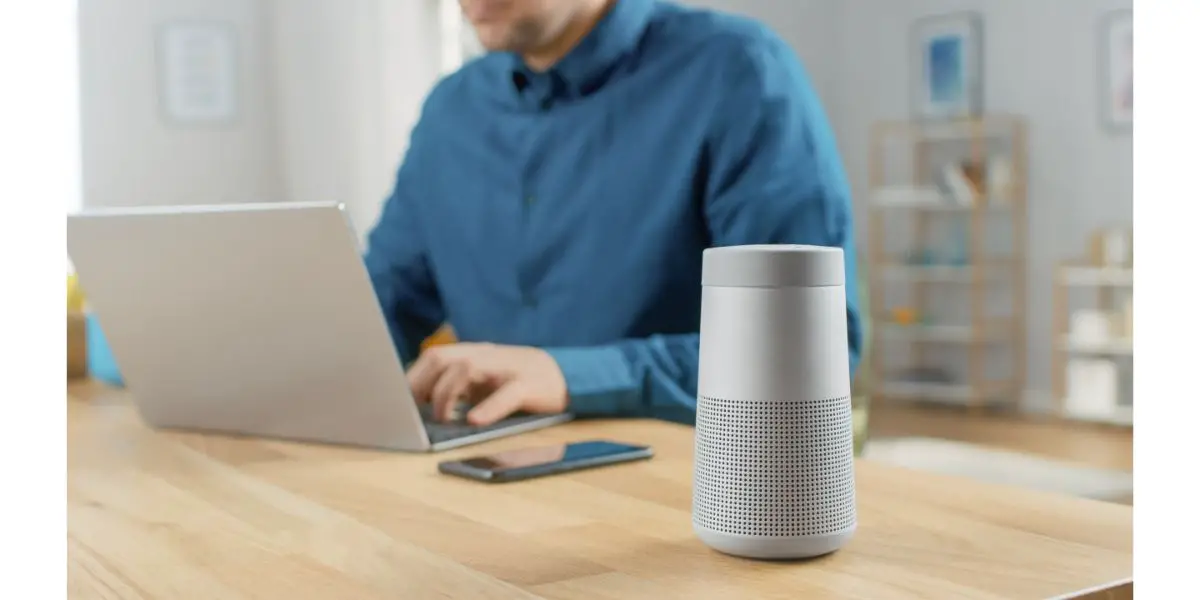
<point x="257" y="320"/>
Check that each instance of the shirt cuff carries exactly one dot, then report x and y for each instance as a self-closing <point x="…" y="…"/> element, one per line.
<point x="599" y="380"/>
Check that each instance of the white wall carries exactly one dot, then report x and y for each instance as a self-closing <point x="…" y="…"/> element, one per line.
<point x="131" y="156"/>
<point x="329" y="92"/>
<point x="349" y="79"/>
<point x="1041" y="61"/>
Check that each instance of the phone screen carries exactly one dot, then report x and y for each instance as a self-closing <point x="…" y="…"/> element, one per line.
<point x="534" y="462"/>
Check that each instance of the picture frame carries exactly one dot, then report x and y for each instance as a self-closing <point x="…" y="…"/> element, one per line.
<point x="947" y="66"/>
<point x="198" y="72"/>
<point x="1116" y="49"/>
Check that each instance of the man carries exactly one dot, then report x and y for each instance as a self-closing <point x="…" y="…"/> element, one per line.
<point x="558" y="193"/>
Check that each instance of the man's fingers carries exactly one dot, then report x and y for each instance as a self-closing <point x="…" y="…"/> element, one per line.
<point x="451" y="386"/>
<point x="505" y="401"/>
<point x="425" y="372"/>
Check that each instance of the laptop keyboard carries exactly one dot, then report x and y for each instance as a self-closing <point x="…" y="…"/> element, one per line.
<point x="439" y="431"/>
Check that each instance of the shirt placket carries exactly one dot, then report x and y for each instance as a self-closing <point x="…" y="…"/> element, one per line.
<point x="539" y="99"/>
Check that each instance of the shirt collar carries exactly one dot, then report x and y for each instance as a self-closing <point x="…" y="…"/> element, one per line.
<point x="589" y="63"/>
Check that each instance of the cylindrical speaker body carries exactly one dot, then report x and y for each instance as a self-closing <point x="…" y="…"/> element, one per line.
<point x="774" y="465"/>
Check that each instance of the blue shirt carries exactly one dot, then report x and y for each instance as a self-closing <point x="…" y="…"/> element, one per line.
<point x="569" y="209"/>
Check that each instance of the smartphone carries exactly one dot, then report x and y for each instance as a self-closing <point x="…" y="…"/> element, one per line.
<point x="527" y="463"/>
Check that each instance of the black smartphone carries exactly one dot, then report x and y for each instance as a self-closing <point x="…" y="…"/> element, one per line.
<point x="527" y="463"/>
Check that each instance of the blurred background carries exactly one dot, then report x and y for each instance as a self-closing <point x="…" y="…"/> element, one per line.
<point x="988" y="145"/>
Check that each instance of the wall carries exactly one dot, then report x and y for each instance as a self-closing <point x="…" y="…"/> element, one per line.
<point x="411" y="65"/>
<point x="1040" y="62"/>
<point x="131" y="156"/>
<point x="349" y="79"/>
<point x="330" y="91"/>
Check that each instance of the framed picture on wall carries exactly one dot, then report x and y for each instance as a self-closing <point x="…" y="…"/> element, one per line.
<point x="947" y="66"/>
<point x="1116" y="69"/>
<point x="198" y="72"/>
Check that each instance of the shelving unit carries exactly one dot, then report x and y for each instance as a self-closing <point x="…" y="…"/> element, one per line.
<point x="1105" y="284"/>
<point x="967" y="295"/>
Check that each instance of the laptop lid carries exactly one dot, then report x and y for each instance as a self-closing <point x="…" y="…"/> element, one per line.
<point x="247" y="319"/>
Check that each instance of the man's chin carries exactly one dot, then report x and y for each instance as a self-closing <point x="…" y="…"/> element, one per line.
<point x="487" y="48"/>
<point x="491" y="41"/>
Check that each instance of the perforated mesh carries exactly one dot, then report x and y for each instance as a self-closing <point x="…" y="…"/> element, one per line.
<point x="774" y="469"/>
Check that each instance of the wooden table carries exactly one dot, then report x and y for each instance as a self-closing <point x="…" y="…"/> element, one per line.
<point x="178" y="516"/>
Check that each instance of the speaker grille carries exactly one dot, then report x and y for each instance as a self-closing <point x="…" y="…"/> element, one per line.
<point x="774" y="469"/>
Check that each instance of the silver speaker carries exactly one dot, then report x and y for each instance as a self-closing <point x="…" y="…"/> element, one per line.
<point x="774" y="464"/>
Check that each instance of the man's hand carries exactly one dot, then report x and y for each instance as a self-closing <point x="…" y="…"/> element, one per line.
<point x="501" y="380"/>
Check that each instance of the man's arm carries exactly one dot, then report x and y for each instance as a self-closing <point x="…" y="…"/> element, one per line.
<point x="776" y="177"/>
<point x="396" y="258"/>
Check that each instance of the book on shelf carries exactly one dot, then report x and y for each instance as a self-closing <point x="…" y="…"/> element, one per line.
<point x="958" y="186"/>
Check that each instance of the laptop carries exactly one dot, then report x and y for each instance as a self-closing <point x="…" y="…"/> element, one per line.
<point x="256" y="320"/>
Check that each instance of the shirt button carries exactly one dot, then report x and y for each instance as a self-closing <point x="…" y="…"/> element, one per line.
<point x="530" y="200"/>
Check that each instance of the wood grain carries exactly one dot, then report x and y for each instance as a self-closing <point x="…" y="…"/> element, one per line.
<point x="182" y="515"/>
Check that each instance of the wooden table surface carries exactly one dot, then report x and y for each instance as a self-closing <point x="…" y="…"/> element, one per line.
<point x="180" y="515"/>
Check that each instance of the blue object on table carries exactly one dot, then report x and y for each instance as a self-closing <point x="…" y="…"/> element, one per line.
<point x="101" y="364"/>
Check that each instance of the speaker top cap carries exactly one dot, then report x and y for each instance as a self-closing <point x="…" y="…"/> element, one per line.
<point x="773" y="265"/>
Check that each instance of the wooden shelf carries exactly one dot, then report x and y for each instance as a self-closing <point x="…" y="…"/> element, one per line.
<point x="918" y="187"/>
<point x="927" y="199"/>
<point x="1121" y="347"/>
<point x="918" y="390"/>
<point x="1105" y="284"/>
<point x="960" y="334"/>
<point x="1095" y="276"/>
<point x="949" y="393"/>
<point x="989" y="270"/>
